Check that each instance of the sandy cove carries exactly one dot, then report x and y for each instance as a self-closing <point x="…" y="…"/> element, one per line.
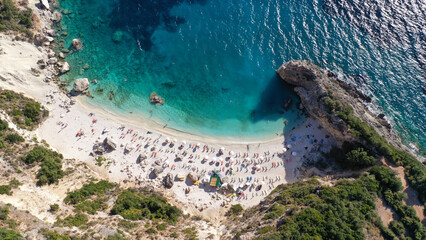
<point x="71" y="116"/>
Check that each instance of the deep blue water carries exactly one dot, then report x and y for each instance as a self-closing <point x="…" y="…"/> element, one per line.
<point x="214" y="61"/>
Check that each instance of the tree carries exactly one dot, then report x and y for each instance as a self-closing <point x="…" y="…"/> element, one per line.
<point x="32" y="111"/>
<point x="359" y="158"/>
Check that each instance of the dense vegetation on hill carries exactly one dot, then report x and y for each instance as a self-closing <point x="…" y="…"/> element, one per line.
<point x="24" y="112"/>
<point x="135" y="205"/>
<point x="11" y="18"/>
<point x="50" y="164"/>
<point x="90" y="197"/>
<point x="310" y="210"/>
<point x="377" y="145"/>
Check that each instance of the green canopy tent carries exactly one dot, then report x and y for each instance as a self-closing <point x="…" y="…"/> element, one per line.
<point x="215" y="180"/>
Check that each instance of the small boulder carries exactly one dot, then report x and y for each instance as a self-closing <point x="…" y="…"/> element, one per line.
<point x="98" y="148"/>
<point x="128" y="149"/>
<point x="65" y="68"/>
<point x="110" y="144"/>
<point x="61" y="55"/>
<point x="157" y="171"/>
<point x="168" y="181"/>
<point x="45" y="4"/>
<point x="154" y="98"/>
<point x="193" y="177"/>
<point x="57" y="16"/>
<point x="81" y="84"/>
<point x="52" y="60"/>
<point x="77" y="44"/>
<point x="141" y="158"/>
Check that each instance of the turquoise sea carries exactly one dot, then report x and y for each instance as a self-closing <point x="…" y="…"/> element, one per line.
<point x="214" y="61"/>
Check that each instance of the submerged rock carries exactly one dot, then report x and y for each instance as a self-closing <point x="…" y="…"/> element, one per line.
<point x="287" y="103"/>
<point x="81" y="84"/>
<point x="154" y="98"/>
<point x="117" y="36"/>
<point x="77" y="44"/>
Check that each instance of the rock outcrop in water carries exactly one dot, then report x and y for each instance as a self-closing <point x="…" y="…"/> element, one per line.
<point x="77" y="44"/>
<point x="318" y="88"/>
<point x="154" y="98"/>
<point x="81" y="85"/>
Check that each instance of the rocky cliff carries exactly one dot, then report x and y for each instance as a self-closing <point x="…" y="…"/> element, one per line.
<point x="319" y="89"/>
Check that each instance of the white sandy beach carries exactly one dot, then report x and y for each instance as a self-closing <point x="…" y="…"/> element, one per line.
<point x="272" y="166"/>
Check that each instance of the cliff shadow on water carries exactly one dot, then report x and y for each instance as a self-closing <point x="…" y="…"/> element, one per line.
<point x="278" y="101"/>
<point x="143" y="17"/>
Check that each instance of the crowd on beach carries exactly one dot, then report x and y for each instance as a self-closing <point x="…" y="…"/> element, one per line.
<point x="250" y="171"/>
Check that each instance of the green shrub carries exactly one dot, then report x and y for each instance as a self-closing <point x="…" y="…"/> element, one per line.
<point x="265" y="229"/>
<point x="13" y="19"/>
<point x="77" y="220"/>
<point x="4" y="213"/>
<point x="387" y="178"/>
<point x="54" y="208"/>
<point x="397" y="227"/>
<point x="87" y="191"/>
<point x="161" y="227"/>
<point x="236" y="209"/>
<point x="14" y="138"/>
<point x="6" y="234"/>
<point x="32" y="111"/>
<point x="151" y="231"/>
<point x="3" y="125"/>
<point x="136" y="206"/>
<point x="359" y="158"/>
<point x="91" y="206"/>
<point x="40" y="154"/>
<point x="5" y="189"/>
<point x="55" y="236"/>
<point x="276" y="211"/>
<point x="127" y="224"/>
<point x="50" y="171"/>
<point x="116" y="236"/>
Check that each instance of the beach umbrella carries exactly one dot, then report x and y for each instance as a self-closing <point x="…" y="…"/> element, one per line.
<point x="247" y="158"/>
<point x="241" y="186"/>
<point x="231" y="153"/>
<point x="198" y="144"/>
<point x="222" y="148"/>
<point x="248" y="184"/>
<point x="214" y="158"/>
<point x="167" y="139"/>
<point x="206" y="157"/>
<point x="183" y="142"/>
<point x="294" y="153"/>
<point x="289" y="146"/>
<point x="262" y="157"/>
<point x="284" y="149"/>
<point x="174" y="140"/>
<point x="262" y="183"/>
<point x="232" y="159"/>
<point x="167" y="162"/>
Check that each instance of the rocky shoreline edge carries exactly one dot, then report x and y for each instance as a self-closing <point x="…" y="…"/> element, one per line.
<point x="324" y="97"/>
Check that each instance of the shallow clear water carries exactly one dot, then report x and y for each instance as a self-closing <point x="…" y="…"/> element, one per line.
<point x="214" y="61"/>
